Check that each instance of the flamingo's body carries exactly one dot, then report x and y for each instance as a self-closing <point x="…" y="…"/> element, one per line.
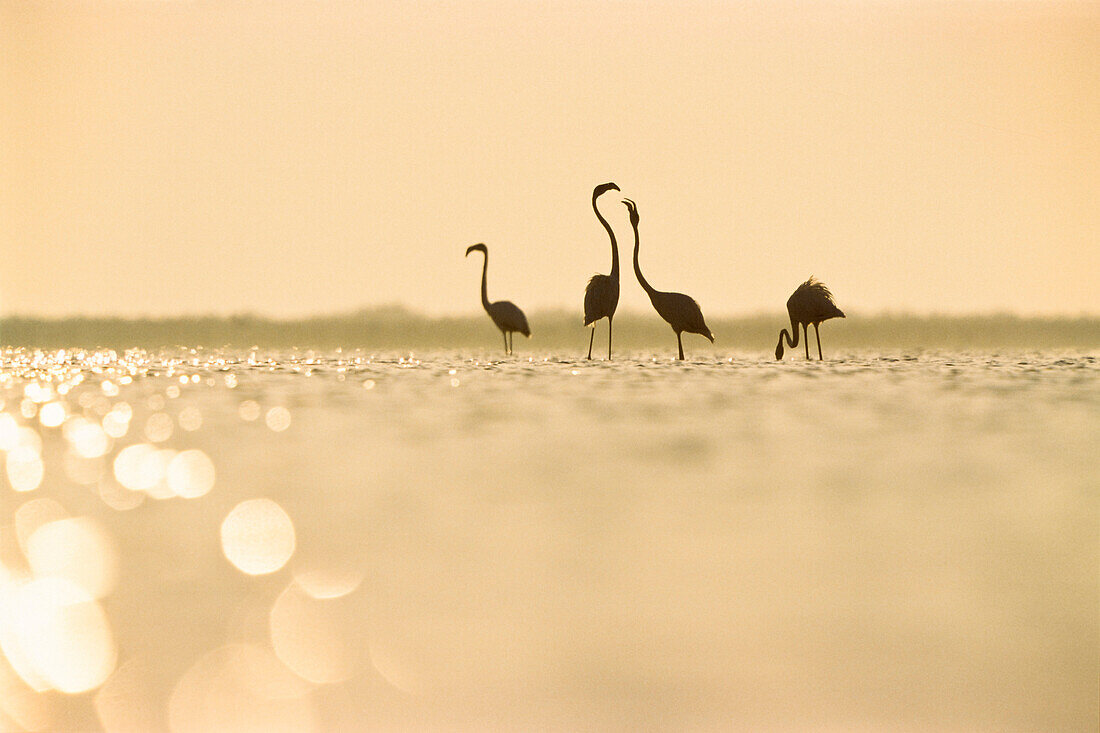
<point x="601" y="296"/>
<point x="680" y="311"/>
<point x="505" y="314"/>
<point x="810" y="303"/>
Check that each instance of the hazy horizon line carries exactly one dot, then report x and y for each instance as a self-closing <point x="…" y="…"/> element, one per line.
<point x="402" y="329"/>
<point x="549" y="311"/>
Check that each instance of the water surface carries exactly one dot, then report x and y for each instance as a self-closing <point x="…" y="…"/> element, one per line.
<point x="223" y="540"/>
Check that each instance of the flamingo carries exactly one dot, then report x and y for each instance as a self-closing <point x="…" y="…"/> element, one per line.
<point x="679" y="310"/>
<point x="505" y="314"/>
<point x="811" y="303"/>
<point x="601" y="295"/>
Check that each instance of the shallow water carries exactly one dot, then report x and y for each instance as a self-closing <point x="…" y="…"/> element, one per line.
<point x="447" y="541"/>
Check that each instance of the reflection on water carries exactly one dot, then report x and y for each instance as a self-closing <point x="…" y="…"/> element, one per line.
<point x="207" y="540"/>
<point x="258" y="537"/>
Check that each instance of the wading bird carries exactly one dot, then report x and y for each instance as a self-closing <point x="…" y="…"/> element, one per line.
<point x="505" y="314"/>
<point x="811" y="303"/>
<point x="601" y="296"/>
<point x="681" y="312"/>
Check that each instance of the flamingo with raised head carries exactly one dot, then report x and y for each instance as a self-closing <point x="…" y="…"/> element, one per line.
<point x="601" y="295"/>
<point x="680" y="311"/>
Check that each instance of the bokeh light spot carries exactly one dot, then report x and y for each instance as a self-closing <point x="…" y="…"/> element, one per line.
<point x="52" y="414"/>
<point x="25" y="468"/>
<point x="64" y="634"/>
<point x="158" y="428"/>
<point x="33" y="514"/>
<point x="278" y="418"/>
<point x="76" y="549"/>
<point x="249" y="410"/>
<point x="311" y="636"/>
<point x="9" y="431"/>
<point x="190" y="474"/>
<point x="136" y="468"/>
<point x="258" y="537"/>
<point x="116" y="423"/>
<point x="190" y="418"/>
<point x="86" y="437"/>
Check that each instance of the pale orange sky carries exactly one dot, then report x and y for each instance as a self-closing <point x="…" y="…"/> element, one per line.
<point x="171" y="157"/>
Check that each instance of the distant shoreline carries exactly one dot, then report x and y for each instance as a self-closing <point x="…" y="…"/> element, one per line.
<point x="400" y="329"/>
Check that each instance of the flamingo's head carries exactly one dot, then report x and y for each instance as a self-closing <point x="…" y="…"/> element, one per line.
<point x="477" y="248"/>
<point x="633" y="209"/>
<point x="604" y="188"/>
<point x="779" y="349"/>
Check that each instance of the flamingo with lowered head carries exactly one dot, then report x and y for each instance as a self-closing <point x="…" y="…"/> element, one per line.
<point x="810" y="303"/>
<point x="680" y="311"/>
<point x="505" y="314"/>
<point x="601" y="295"/>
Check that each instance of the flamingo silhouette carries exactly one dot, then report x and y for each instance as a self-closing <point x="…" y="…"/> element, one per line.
<point x="601" y="295"/>
<point x="681" y="312"/>
<point x="810" y="303"/>
<point x="505" y="314"/>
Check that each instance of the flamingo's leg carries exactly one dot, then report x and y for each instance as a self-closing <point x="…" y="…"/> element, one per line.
<point x="608" y="339"/>
<point x="590" y="340"/>
<point x="680" y="344"/>
<point x="818" y="334"/>
<point x="505" y="334"/>
<point x="806" y="339"/>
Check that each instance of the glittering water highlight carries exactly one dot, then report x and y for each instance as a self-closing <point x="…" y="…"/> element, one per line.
<point x="229" y="540"/>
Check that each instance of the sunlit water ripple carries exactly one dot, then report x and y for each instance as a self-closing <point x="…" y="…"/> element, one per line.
<point x="199" y="540"/>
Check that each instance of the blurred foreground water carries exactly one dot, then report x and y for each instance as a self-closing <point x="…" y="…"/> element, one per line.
<point x="220" y="541"/>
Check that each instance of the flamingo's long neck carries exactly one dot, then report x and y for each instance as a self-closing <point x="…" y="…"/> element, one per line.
<point x="637" y="270"/>
<point x="791" y="343"/>
<point x="484" y="287"/>
<point x="614" y="246"/>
